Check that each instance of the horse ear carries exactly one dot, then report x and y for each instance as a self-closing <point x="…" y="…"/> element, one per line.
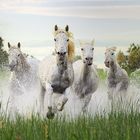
<point x="55" y="27"/>
<point x="114" y="48"/>
<point x="9" y="45"/>
<point x="92" y="42"/>
<point x="19" y="45"/>
<point x="67" y="28"/>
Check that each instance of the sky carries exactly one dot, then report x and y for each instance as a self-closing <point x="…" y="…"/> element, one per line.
<point x="31" y="22"/>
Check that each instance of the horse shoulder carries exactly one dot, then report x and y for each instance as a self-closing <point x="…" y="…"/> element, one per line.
<point x="124" y="80"/>
<point x="32" y="61"/>
<point x="121" y="74"/>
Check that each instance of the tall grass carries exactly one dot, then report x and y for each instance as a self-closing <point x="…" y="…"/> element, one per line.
<point x="115" y="126"/>
<point x="4" y="74"/>
<point x="102" y="74"/>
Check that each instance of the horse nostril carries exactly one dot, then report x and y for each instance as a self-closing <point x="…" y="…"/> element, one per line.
<point x="61" y="53"/>
<point x="11" y="67"/>
<point x="106" y="62"/>
<point x="89" y="58"/>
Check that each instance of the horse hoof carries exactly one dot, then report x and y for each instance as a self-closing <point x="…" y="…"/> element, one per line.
<point x="50" y="115"/>
<point x="60" y="106"/>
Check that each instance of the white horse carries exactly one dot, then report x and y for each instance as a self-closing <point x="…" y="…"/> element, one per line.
<point x="24" y="73"/>
<point x="86" y="79"/>
<point x="56" y="72"/>
<point x="117" y="79"/>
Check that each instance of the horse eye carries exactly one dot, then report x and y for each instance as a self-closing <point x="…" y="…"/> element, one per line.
<point x="82" y="49"/>
<point x="92" y="48"/>
<point x="67" y="40"/>
<point x="112" y="54"/>
<point x="54" y="39"/>
<point x="18" y="54"/>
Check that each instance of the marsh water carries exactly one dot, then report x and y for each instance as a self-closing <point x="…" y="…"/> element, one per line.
<point x="27" y="103"/>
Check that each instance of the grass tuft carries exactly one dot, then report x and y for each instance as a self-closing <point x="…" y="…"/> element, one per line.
<point x="116" y="126"/>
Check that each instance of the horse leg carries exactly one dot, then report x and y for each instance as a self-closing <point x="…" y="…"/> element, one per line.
<point x="13" y="91"/>
<point x="121" y="94"/>
<point x="41" y="101"/>
<point x="12" y="108"/>
<point x="49" y="92"/>
<point x="86" y="102"/>
<point x="110" y="93"/>
<point x="60" y="105"/>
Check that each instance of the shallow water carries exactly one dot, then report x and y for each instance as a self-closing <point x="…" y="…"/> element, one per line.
<point x="27" y="103"/>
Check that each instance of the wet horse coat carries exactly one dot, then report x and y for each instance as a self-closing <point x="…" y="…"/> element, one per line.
<point x="24" y="74"/>
<point x="56" y="72"/>
<point x="117" y="78"/>
<point x="86" y="78"/>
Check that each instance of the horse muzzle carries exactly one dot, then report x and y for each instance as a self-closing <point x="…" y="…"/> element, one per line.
<point x="12" y="67"/>
<point x="61" y="55"/>
<point x="107" y="63"/>
<point x="89" y="61"/>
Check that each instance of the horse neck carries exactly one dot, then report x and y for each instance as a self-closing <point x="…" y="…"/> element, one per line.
<point x="23" y="67"/>
<point x="114" y="67"/>
<point x="62" y="66"/>
<point x="86" y="70"/>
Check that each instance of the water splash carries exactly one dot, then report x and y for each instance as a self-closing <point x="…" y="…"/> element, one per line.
<point x="27" y="103"/>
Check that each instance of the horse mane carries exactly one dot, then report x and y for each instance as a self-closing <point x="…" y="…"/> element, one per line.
<point x="111" y="49"/>
<point x="71" y="46"/>
<point x="71" y="50"/>
<point x="23" y="63"/>
<point x="84" y="42"/>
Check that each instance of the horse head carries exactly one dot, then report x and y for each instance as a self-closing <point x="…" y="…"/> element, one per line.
<point x="87" y="51"/>
<point x="110" y="57"/>
<point x="63" y="45"/>
<point x="16" y="57"/>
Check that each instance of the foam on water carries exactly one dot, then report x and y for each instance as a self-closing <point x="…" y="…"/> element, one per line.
<point x="27" y="103"/>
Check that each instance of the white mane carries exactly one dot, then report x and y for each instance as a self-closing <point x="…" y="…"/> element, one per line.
<point x="111" y="49"/>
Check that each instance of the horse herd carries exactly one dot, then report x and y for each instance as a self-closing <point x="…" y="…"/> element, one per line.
<point x="57" y="73"/>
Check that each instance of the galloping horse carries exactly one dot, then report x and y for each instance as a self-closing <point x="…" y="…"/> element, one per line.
<point x="56" y="72"/>
<point x="86" y="79"/>
<point x="117" y="79"/>
<point x="24" y="71"/>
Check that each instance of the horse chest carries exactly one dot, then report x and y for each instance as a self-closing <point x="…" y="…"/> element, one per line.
<point x="25" y="81"/>
<point x="84" y="86"/>
<point x="60" y="81"/>
<point x="112" y="80"/>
